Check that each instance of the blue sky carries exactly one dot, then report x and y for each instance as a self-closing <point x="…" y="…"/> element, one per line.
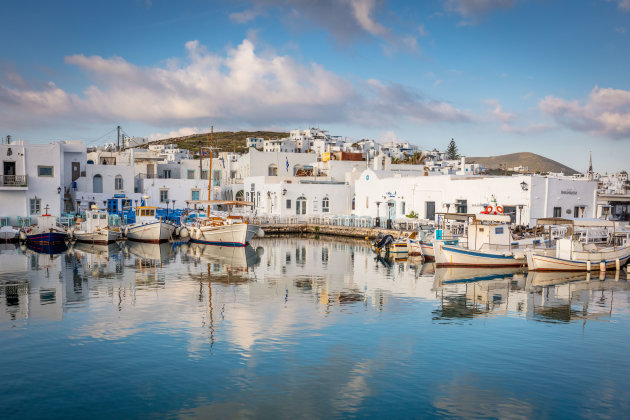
<point x="499" y="76"/>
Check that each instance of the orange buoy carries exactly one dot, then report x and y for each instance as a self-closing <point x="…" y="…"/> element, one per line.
<point x="499" y="209"/>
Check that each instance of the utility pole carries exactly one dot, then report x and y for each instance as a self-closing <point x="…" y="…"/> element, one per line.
<point x="118" y="138"/>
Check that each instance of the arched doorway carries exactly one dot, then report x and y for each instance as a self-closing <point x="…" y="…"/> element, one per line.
<point x="97" y="184"/>
<point x="300" y="205"/>
<point x="240" y="195"/>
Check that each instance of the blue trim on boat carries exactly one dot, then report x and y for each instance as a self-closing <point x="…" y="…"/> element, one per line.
<point x="234" y="244"/>
<point x="481" y="278"/>
<point x="478" y="254"/>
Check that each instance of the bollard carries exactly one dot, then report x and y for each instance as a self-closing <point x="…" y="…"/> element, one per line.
<point x="602" y="266"/>
<point x="617" y="264"/>
<point x="588" y="276"/>
<point x="588" y="266"/>
<point x="602" y="275"/>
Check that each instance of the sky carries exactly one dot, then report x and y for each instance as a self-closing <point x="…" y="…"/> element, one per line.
<point x="498" y="76"/>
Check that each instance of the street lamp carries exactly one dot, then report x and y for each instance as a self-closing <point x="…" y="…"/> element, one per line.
<point x="524" y="186"/>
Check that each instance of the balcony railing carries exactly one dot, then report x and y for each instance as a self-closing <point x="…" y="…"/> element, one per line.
<point x="14" y="180"/>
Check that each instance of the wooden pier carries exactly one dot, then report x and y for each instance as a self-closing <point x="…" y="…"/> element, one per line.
<point x="328" y="230"/>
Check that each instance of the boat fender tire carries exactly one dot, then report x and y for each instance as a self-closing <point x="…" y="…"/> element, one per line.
<point x="499" y="209"/>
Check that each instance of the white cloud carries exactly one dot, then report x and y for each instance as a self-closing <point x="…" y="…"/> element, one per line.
<point x="245" y="16"/>
<point x="363" y="11"/>
<point x="473" y="10"/>
<point x="422" y="30"/>
<point x="605" y="112"/>
<point x="241" y="87"/>
<point x="623" y="4"/>
<point x="498" y="112"/>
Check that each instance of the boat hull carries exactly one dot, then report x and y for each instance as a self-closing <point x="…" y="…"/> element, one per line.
<point x="223" y="235"/>
<point x="536" y="262"/>
<point x="53" y="237"/>
<point x="155" y="232"/>
<point x="454" y="256"/>
<point x="252" y="230"/>
<point x="426" y="248"/>
<point x="103" y="236"/>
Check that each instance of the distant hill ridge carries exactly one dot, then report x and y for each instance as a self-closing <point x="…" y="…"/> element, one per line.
<point x="234" y="141"/>
<point x="535" y="163"/>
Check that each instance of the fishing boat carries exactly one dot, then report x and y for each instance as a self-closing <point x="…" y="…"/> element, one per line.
<point x="220" y="229"/>
<point x="572" y="254"/>
<point x="96" y="229"/>
<point x="45" y="231"/>
<point x="8" y="234"/>
<point x="488" y="244"/>
<point x="149" y="229"/>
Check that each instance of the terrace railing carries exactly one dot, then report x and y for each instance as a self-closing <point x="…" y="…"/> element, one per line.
<point x="14" y="180"/>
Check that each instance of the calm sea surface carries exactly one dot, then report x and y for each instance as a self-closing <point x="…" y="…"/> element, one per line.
<point x="303" y="328"/>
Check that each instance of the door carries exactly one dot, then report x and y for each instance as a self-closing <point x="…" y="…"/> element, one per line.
<point x="150" y="170"/>
<point x="97" y="184"/>
<point x="300" y="206"/>
<point x="112" y="205"/>
<point x="9" y="168"/>
<point x="76" y="170"/>
<point x="430" y="210"/>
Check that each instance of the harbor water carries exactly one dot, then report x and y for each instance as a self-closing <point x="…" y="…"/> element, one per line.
<point x="303" y="328"/>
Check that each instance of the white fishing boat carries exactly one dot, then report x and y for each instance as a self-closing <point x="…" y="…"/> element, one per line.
<point x="571" y="254"/>
<point x="96" y="229"/>
<point x="8" y="234"/>
<point x="218" y="231"/>
<point x="45" y="231"/>
<point x="488" y="244"/>
<point x="149" y="229"/>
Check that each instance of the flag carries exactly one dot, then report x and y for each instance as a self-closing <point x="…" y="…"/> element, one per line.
<point x="287" y="164"/>
<point x="222" y="162"/>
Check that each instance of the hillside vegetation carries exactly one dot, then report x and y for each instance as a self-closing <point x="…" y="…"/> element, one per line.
<point x="225" y="141"/>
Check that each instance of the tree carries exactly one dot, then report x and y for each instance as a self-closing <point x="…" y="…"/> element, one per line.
<point x="451" y="151"/>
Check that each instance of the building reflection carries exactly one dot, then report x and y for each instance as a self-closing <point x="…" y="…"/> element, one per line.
<point x="329" y="275"/>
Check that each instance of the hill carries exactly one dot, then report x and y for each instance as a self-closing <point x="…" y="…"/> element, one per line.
<point x="226" y="141"/>
<point x="534" y="162"/>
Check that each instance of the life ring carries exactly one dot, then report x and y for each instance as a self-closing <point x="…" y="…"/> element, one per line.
<point x="489" y="209"/>
<point x="499" y="209"/>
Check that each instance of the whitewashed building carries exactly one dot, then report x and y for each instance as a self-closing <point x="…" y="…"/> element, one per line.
<point x="392" y="195"/>
<point x="37" y="175"/>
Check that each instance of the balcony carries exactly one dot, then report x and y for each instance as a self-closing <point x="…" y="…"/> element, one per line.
<point x="14" y="181"/>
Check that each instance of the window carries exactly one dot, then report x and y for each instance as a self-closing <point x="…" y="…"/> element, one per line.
<point x="163" y="196"/>
<point x="118" y="183"/>
<point x="557" y="212"/>
<point x="167" y="173"/>
<point x="45" y="171"/>
<point x="367" y="202"/>
<point x="191" y="174"/>
<point x="272" y="170"/>
<point x="36" y="206"/>
<point x="288" y="204"/>
<point x="216" y="178"/>
<point x="204" y="174"/>
<point x="462" y="206"/>
<point x="402" y="208"/>
<point x="325" y="205"/>
<point x="194" y="195"/>
<point x="97" y="184"/>
<point x="353" y="202"/>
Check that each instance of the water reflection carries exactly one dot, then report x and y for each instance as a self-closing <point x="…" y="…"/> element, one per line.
<point x="329" y="273"/>
<point x="341" y="331"/>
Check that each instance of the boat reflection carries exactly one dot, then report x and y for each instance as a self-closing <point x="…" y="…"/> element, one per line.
<point x="234" y="257"/>
<point x="152" y="254"/>
<point x="48" y="248"/>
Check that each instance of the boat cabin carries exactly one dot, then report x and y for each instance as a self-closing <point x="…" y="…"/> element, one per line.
<point x="483" y="231"/>
<point x="95" y="219"/>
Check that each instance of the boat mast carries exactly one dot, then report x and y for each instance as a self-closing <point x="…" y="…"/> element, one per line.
<point x="210" y="172"/>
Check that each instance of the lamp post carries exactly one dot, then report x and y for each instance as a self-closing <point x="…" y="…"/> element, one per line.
<point x="520" y="214"/>
<point x="378" y="219"/>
